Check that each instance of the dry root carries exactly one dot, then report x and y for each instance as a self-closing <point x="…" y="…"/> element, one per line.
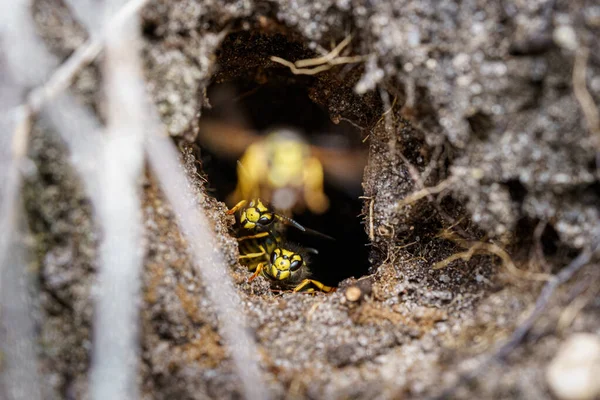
<point x="425" y="192"/>
<point x="320" y="64"/>
<point x="485" y="248"/>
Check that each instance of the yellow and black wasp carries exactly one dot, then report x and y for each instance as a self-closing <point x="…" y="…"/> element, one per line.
<point x="259" y="229"/>
<point x="260" y="234"/>
<point x="282" y="167"/>
<point x="287" y="268"/>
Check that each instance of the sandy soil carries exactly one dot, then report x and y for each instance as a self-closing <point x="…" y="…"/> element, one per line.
<point x="483" y="104"/>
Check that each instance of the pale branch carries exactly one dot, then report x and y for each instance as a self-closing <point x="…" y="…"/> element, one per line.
<point x="22" y="65"/>
<point x="116" y="347"/>
<point x="208" y="260"/>
<point x="61" y="78"/>
<point x="583" y="96"/>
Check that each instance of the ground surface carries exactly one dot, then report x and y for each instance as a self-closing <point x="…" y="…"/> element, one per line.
<point x="479" y="97"/>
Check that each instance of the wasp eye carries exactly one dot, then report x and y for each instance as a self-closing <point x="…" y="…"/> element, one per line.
<point x="265" y="220"/>
<point x="273" y="257"/>
<point x="295" y="265"/>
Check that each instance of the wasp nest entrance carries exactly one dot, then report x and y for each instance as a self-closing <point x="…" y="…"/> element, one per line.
<point x="250" y="98"/>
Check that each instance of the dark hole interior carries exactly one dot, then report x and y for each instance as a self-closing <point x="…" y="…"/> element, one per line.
<point x="516" y="190"/>
<point x="260" y="107"/>
<point x="550" y="241"/>
<point x="481" y="125"/>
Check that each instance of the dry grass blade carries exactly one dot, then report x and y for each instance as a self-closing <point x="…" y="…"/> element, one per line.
<point x="371" y="225"/>
<point x="80" y="130"/>
<point x="163" y="159"/>
<point x="23" y="64"/>
<point x="121" y="200"/>
<point x="583" y="96"/>
<point x="114" y="363"/>
<point x="62" y="76"/>
<point x="18" y="368"/>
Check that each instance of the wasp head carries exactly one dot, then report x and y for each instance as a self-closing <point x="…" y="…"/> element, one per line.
<point x="284" y="263"/>
<point x="257" y="216"/>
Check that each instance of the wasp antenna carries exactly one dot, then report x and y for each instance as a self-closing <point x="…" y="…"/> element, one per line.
<point x="317" y="233"/>
<point x="311" y="250"/>
<point x="290" y="221"/>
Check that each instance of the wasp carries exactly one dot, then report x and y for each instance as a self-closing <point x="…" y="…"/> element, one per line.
<point x="282" y="169"/>
<point x="287" y="267"/>
<point x="260" y="236"/>
<point x="258" y="216"/>
<point x="281" y="165"/>
<point x="259" y="229"/>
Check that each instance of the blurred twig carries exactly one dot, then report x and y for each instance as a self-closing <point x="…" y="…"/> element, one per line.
<point x="122" y="235"/>
<point x="114" y="368"/>
<point x="61" y="78"/>
<point x="163" y="159"/>
<point x="18" y="368"/>
<point x="583" y="96"/>
<point x="22" y="65"/>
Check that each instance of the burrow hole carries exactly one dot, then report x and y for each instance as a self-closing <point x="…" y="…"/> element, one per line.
<point x="249" y="97"/>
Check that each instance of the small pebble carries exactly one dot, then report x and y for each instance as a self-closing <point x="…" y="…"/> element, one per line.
<point x="565" y="37"/>
<point x="574" y="372"/>
<point x="353" y="293"/>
